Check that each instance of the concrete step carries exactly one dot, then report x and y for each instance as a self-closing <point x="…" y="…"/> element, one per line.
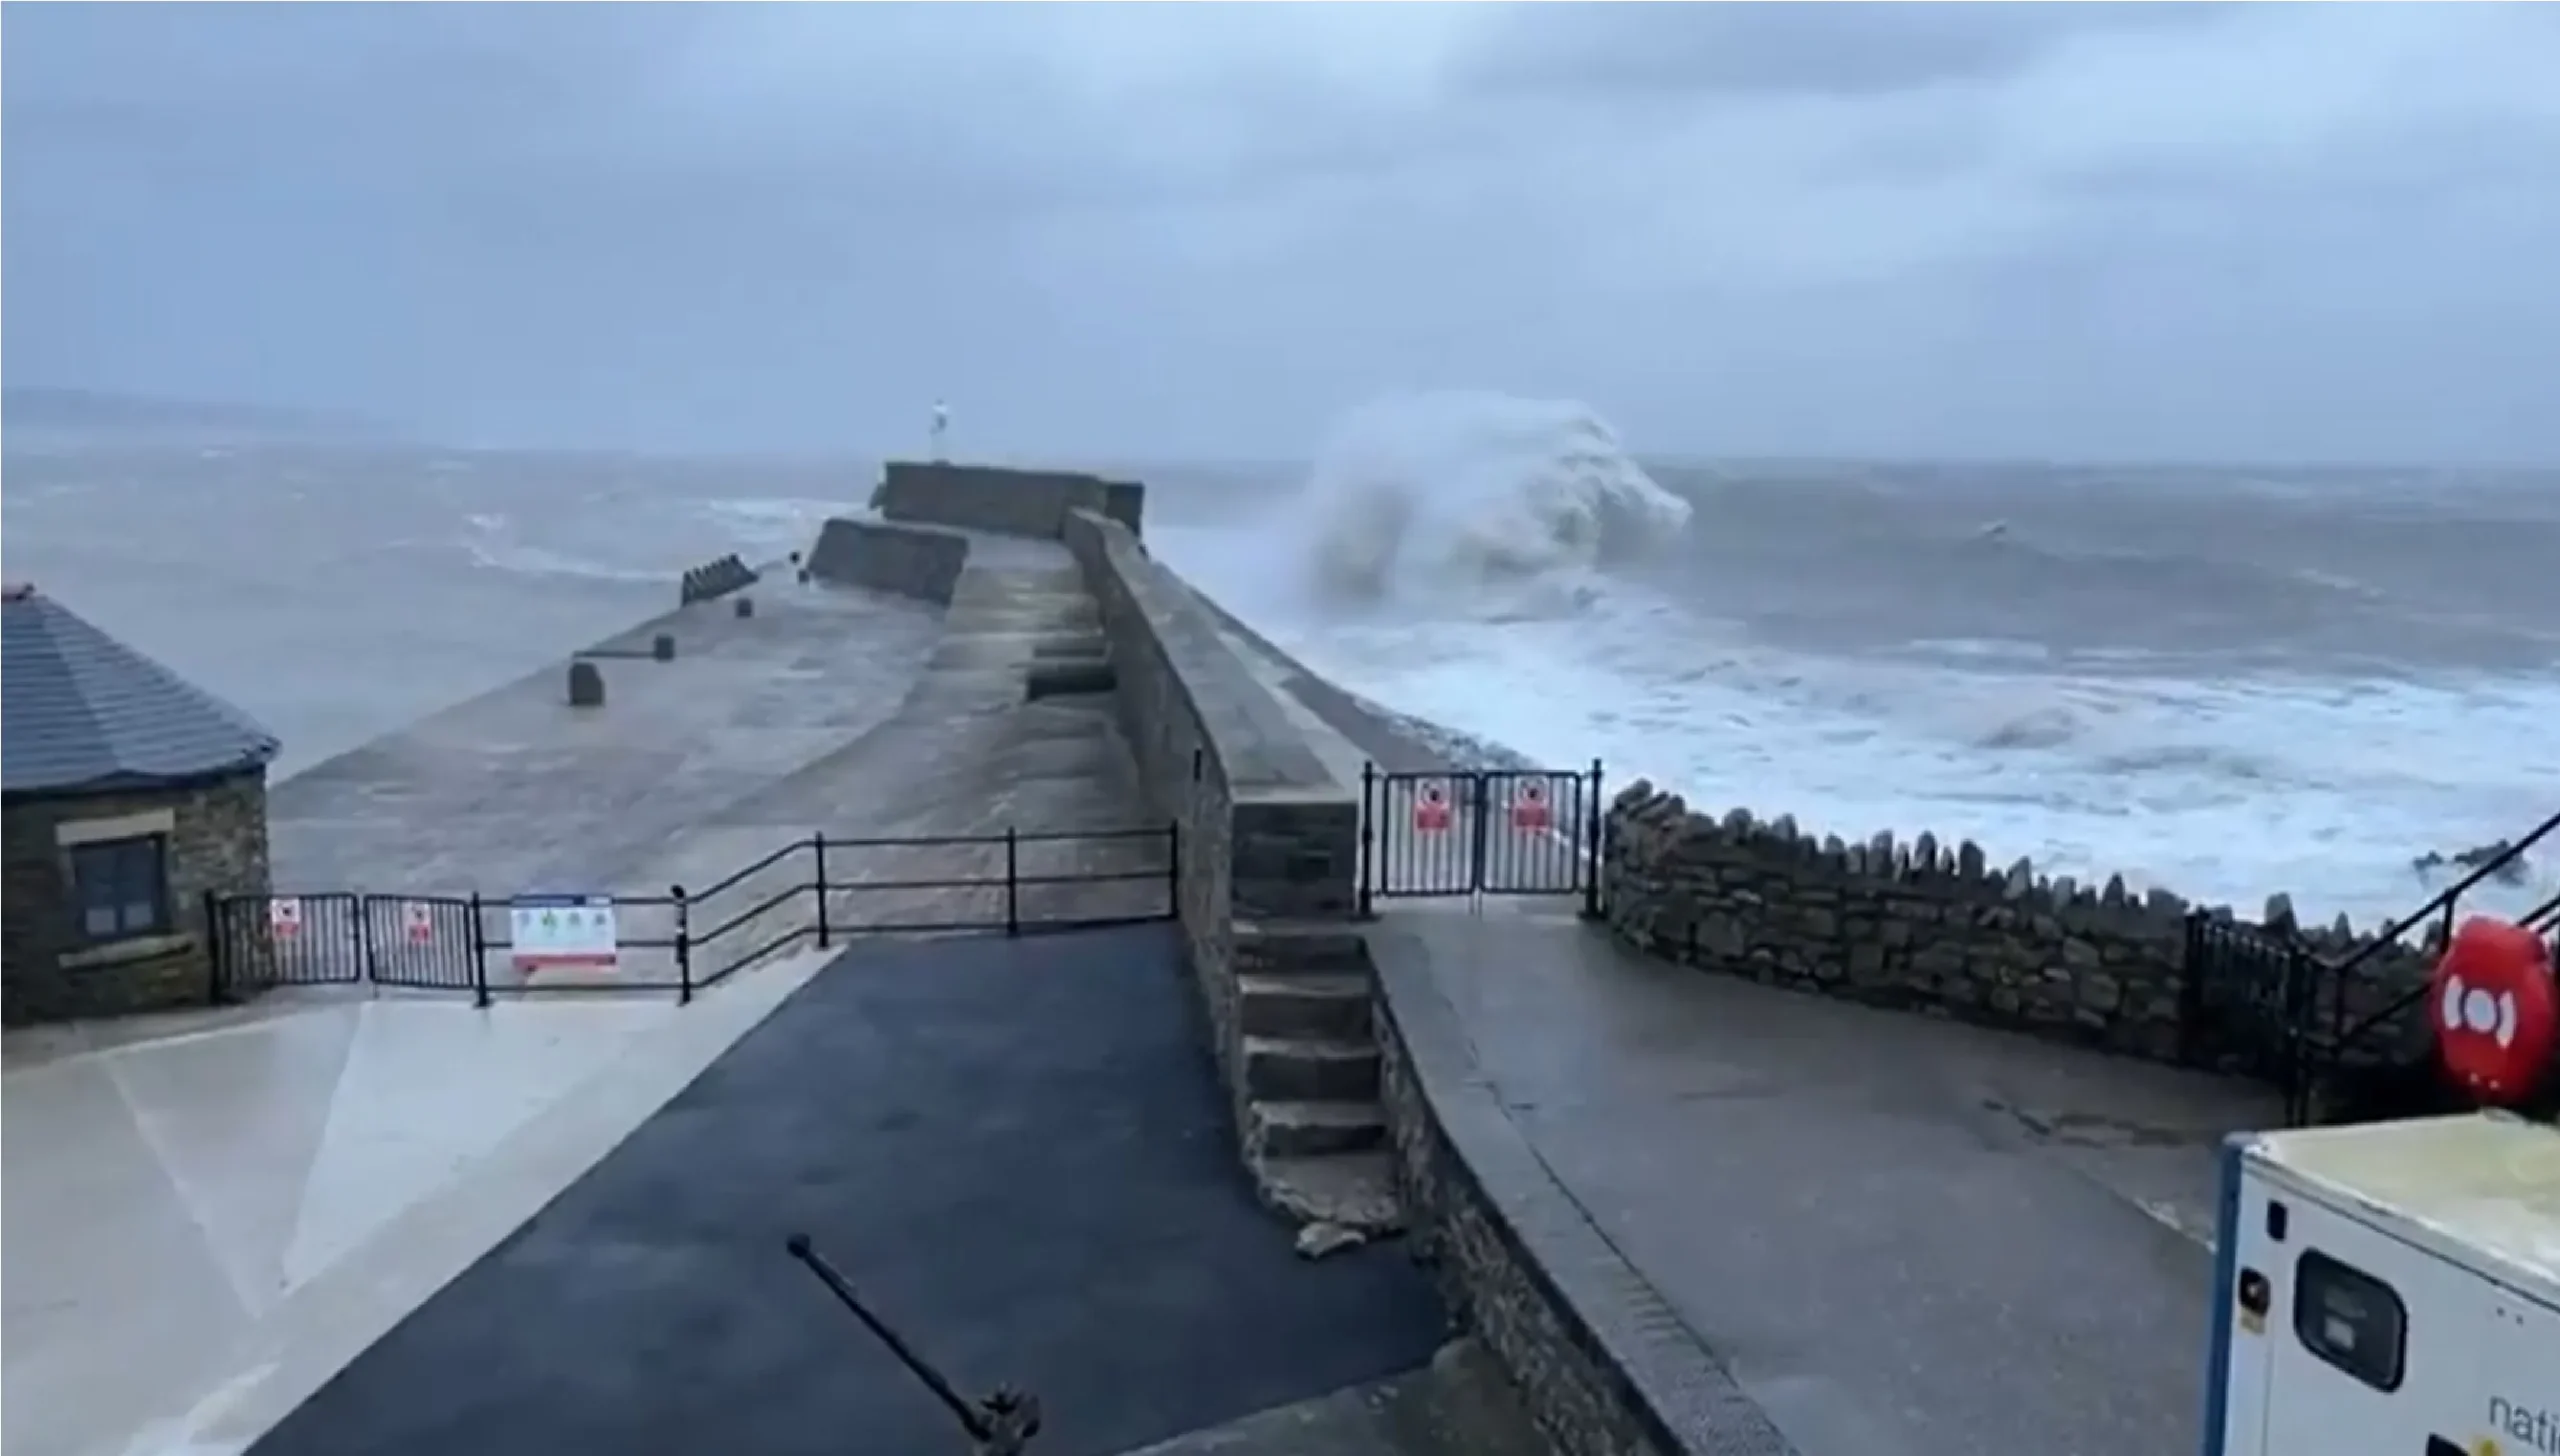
<point x="1300" y="948"/>
<point x="1334" y="1006"/>
<point x="1310" y="1069"/>
<point x="1313" y="1129"/>
<point x="1355" y="1190"/>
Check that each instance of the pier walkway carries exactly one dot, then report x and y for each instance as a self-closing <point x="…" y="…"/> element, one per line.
<point x="1897" y="1236"/>
<point x="204" y="1204"/>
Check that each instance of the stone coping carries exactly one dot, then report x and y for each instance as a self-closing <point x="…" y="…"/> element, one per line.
<point x="1601" y="1358"/>
<point x="1257" y="745"/>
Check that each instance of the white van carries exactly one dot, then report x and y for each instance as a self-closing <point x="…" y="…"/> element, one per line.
<point x="2391" y="1289"/>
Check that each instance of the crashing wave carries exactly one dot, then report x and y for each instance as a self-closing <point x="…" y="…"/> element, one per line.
<point x="1496" y="505"/>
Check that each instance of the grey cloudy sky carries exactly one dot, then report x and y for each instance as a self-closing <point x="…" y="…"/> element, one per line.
<point x="2181" y="231"/>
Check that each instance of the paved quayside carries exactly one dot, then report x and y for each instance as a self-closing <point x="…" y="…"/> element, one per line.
<point x="1899" y="1236"/>
<point x="1011" y="1146"/>
<point x="214" y="1211"/>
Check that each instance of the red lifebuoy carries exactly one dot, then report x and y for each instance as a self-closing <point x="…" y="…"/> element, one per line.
<point x="2495" y="1010"/>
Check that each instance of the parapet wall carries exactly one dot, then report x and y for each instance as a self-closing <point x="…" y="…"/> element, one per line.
<point x="1929" y="926"/>
<point x="921" y="562"/>
<point x="1268" y="835"/>
<point x="994" y="498"/>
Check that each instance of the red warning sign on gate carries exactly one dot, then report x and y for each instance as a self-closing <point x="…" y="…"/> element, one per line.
<point x="1529" y="807"/>
<point x="1431" y="808"/>
<point x="421" y="923"/>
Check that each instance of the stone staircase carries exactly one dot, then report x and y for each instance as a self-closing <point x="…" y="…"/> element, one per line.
<point x="1308" y="1068"/>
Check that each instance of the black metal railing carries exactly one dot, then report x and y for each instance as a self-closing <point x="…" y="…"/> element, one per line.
<point x="2247" y="1004"/>
<point x="1480" y="832"/>
<point x="2261" y="1001"/>
<point x="822" y="889"/>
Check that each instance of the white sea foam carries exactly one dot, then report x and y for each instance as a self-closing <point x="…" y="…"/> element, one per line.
<point x="2221" y="788"/>
<point x="1475" y="504"/>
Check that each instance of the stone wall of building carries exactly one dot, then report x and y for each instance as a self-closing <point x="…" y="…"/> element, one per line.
<point x="218" y="844"/>
<point x="922" y="562"/>
<point x="1009" y="502"/>
<point x="1938" y="927"/>
<point x="1270" y="842"/>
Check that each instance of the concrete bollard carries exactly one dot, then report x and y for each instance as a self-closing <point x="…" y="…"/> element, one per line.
<point x="586" y="685"/>
<point x="746" y="606"/>
<point x="663" y="647"/>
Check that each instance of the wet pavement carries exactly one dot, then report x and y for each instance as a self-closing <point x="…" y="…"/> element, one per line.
<point x="1015" y="1148"/>
<point x="1898" y="1235"/>
<point x="210" y="1212"/>
<point x="516" y="790"/>
<point x="830" y="711"/>
<point x="1901" y="1236"/>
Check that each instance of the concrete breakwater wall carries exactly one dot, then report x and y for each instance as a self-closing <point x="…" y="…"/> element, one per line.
<point x="994" y="498"/>
<point x="1297" y="1008"/>
<point x="1270" y="842"/>
<point x="1269" y="868"/>
<point x="1937" y="927"/>
<point x="916" y="561"/>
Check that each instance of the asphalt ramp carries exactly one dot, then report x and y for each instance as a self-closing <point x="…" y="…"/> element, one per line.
<point x="1015" y="1148"/>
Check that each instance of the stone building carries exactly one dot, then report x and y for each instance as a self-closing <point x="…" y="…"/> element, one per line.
<point x="127" y="796"/>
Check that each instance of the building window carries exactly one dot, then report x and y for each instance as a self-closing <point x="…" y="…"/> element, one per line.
<point x="120" y="887"/>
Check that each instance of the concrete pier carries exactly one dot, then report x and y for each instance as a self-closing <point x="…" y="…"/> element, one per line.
<point x="1672" y="1213"/>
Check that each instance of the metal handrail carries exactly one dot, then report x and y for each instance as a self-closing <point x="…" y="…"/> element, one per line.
<point x="2443" y="902"/>
<point x="2443" y="905"/>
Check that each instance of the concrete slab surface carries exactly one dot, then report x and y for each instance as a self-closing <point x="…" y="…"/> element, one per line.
<point x="1015" y="1148"/>
<point x="516" y="790"/>
<point x="205" y="1209"/>
<point x="1899" y="1235"/>
<point x="839" y="712"/>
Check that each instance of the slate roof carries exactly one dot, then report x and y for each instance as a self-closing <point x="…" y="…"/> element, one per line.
<point x="80" y="710"/>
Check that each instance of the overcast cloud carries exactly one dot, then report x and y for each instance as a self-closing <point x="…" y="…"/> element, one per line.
<point x="2175" y="231"/>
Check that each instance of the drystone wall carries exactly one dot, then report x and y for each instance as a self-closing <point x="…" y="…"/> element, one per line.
<point x="1937" y="927"/>
<point x="1008" y="502"/>
<point x="1268" y="837"/>
<point x="921" y="562"/>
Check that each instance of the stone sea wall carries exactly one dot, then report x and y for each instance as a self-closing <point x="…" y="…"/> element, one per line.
<point x="1600" y="1359"/>
<point x="1270" y="842"/>
<point x="1938" y="927"/>
<point x="995" y="498"/>
<point x="920" y="562"/>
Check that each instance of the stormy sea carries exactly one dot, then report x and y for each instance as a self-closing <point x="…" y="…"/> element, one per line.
<point x="2225" y="681"/>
